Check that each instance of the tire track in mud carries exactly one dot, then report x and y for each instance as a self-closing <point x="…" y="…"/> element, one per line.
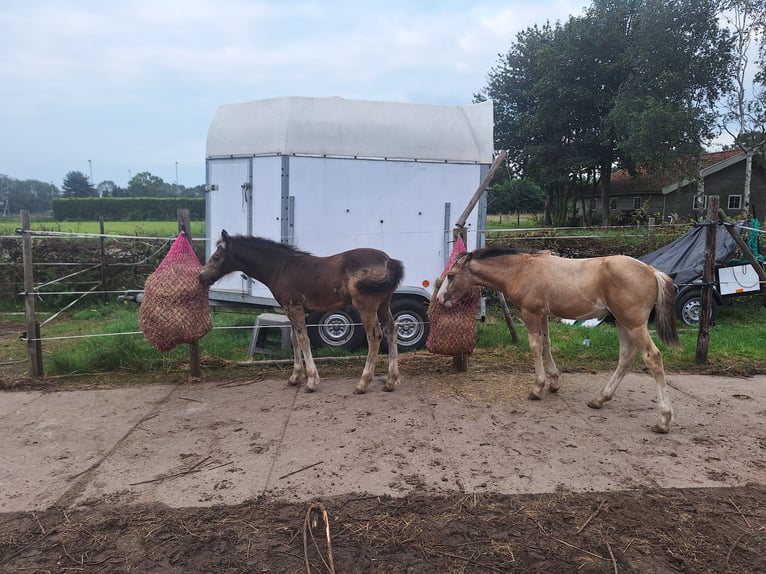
<point x="267" y="485"/>
<point x="81" y="479"/>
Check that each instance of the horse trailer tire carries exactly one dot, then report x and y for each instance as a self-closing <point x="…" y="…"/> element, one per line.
<point x="411" y="318"/>
<point x="336" y="329"/>
<point x="689" y="307"/>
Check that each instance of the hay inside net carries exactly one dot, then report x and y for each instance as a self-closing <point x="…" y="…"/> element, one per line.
<point x="175" y="308"/>
<point x="453" y="329"/>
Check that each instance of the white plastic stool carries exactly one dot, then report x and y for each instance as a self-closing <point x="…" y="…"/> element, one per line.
<point x="269" y="321"/>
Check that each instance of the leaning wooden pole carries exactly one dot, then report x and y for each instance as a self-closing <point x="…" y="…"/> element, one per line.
<point x="195" y="369"/>
<point x="460" y="362"/>
<point x="34" y="345"/>
<point x="708" y="277"/>
<point x="499" y="161"/>
<point x="460" y="224"/>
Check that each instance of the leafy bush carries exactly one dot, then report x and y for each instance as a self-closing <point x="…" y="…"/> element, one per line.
<point x="127" y="208"/>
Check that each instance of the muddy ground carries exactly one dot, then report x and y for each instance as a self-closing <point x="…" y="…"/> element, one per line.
<point x="449" y="474"/>
<point x="641" y="531"/>
<point x="615" y="499"/>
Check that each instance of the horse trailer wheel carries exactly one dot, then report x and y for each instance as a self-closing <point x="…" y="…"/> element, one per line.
<point x="689" y="308"/>
<point x="411" y="318"/>
<point x="336" y="329"/>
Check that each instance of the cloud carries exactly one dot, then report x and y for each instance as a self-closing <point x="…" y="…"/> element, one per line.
<point x="133" y="84"/>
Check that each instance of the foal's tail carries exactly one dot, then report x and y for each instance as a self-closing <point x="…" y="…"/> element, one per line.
<point x="665" y="318"/>
<point x="389" y="283"/>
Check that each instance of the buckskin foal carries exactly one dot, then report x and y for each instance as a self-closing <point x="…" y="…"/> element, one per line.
<point x="540" y="284"/>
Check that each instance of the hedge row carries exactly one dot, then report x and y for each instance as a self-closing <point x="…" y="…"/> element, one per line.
<point x="127" y="208"/>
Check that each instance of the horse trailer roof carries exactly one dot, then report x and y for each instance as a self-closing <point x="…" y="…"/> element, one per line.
<point x="353" y="128"/>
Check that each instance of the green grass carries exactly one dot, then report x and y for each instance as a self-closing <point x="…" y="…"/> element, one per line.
<point x="735" y="342"/>
<point x="123" y="347"/>
<point x="505" y="221"/>
<point x="136" y="228"/>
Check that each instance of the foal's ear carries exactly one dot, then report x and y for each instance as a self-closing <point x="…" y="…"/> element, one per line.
<point x="464" y="258"/>
<point x="225" y="237"/>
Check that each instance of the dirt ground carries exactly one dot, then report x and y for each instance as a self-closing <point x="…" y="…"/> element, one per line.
<point x="641" y="531"/>
<point x="449" y="474"/>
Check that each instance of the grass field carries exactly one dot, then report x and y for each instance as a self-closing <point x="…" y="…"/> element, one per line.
<point x="136" y="228"/>
<point x="735" y="342"/>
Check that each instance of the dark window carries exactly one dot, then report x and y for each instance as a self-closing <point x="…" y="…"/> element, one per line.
<point x="735" y="202"/>
<point x="637" y="203"/>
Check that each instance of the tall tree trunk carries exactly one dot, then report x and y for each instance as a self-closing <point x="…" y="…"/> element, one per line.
<point x="748" y="178"/>
<point x="606" y="188"/>
<point x="547" y="220"/>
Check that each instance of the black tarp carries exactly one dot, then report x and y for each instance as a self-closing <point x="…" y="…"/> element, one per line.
<point x="684" y="258"/>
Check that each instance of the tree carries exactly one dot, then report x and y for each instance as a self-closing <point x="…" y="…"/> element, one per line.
<point x="34" y="195"/>
<point x="108" y="188"/>
<point x="632" y="82"/>
<point x="516" y="196"/>
<point x="196" y="191"/>
<point x="748" y="21"/>
<point x="77" y="184"/>
<point x="145" y="184"/>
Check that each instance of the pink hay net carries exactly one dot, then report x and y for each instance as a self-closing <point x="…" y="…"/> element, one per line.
<point x="175" y="308"/>
<point x="453" y="329"/>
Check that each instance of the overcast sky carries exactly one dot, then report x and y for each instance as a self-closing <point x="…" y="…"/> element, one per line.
<point x="130" y="86"/>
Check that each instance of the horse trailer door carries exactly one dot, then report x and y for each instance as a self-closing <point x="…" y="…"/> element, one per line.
<point x="228" y="207"/>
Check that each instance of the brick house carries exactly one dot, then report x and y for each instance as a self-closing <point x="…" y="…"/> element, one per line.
<point x="672" y="193"/>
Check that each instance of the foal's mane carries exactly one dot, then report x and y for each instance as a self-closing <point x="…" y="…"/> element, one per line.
<point x="488" y="252"/>
<point x="254" y="243"/>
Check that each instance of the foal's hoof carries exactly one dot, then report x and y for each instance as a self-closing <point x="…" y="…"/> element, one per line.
<point x="388" y="388"/>
<point x="553" y="389"/>
<point x="594" y="404"/>
<point x="533" y="397"/>
<point x="358" y="391"/>
<point x="308" y="389"/>
<point x="660" y="429"/>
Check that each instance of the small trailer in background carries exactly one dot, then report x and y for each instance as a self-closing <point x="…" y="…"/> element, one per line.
<point x="684" y="259"/>
<point x="330" y="174"/>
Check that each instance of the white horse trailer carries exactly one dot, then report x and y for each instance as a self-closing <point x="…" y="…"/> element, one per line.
<point x="330" y="174"/>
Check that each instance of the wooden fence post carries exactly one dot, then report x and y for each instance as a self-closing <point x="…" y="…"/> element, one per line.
<point x="102" y="258"/>
<point x="195" y="370"/>
<point x="708" y="277"/>
<point x="459" y="362"/>
<point x="34" y="345"/>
